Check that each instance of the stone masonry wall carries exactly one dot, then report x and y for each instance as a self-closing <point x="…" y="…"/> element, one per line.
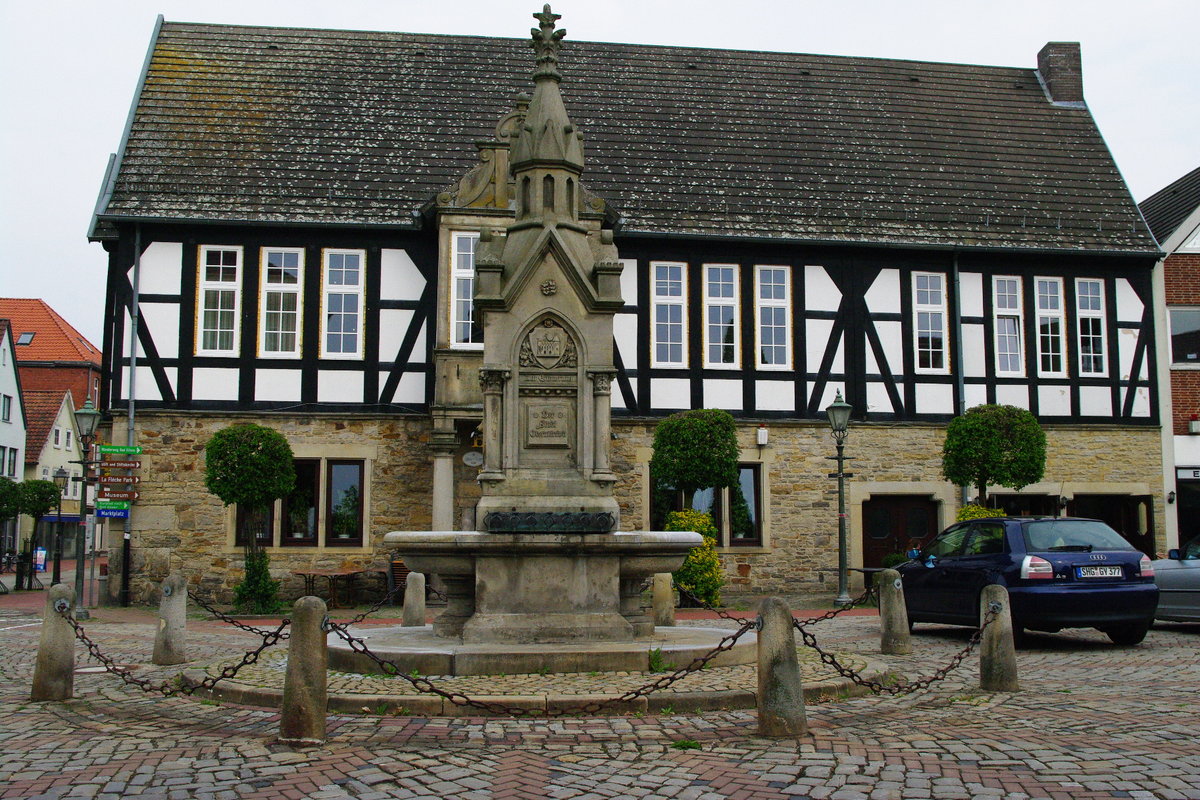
<point x="178" y="524"/>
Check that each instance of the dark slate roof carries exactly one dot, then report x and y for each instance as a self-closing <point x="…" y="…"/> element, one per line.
<point x="364" y="128"/>
<point x="1166" y="209"/>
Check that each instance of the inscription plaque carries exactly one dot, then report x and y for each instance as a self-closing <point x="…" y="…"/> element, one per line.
<point x="548" y="425"/>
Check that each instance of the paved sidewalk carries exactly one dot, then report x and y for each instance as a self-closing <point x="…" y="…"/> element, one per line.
<point x="1094" y="721"/>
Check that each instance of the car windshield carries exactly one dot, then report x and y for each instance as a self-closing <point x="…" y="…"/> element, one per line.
<point x="1072" y="535"/>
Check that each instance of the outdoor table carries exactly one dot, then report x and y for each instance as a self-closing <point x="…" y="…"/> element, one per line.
<point x="332" y="576"/>
<point x="869" y="577"/>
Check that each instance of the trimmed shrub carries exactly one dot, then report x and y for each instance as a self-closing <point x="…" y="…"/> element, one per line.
<point x="993" y="444"/>
<point x="701" y="572"/>
<point x="975" y="511"/>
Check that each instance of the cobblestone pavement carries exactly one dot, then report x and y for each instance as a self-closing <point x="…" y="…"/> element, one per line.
<point x="1092" y="721"/>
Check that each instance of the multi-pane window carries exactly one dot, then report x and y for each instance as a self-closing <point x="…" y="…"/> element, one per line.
<point x="464" y="332"/>
<point x="68" y="439"/>
<point x="325" y="508"/>
<point x="1185" y="336"/>
<point x="58" y="437"/>
<point x="299" y="517"/>
<point x="736" y="511"/>
<point x="343" y="281"/>
<point x="669" y="298"/>
<point x="6" y="408"/>
<point x="1006" y="304"/>
<point x="1050" y="327"/>
<point x="720" y="315"/>
<point x="1089" y="311"/>
<point x="220" y="300"/>
<point x="279" y="310"/>
<point x="773" y="307"/>
<point x="929" y="307"/>
<point x="12" y="462"/>
<point x="344" y="480"/>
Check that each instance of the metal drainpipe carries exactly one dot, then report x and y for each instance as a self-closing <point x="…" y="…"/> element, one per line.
<point x="129" y="435"/>
<point x="959" y="384"/>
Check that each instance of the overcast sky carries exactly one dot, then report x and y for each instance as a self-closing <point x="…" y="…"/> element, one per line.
<point x="68" y="69"/>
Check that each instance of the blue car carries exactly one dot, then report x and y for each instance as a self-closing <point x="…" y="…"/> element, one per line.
<point x="1060" y="572"/>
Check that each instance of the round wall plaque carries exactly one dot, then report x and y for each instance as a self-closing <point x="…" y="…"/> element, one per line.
<point x="473" y="458"/>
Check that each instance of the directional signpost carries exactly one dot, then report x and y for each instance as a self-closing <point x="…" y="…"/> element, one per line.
<point x="119" y="449"/>
<point x="116" y="492"/>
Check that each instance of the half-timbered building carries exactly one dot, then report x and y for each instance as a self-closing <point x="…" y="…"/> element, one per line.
<point x="292" y="220"/>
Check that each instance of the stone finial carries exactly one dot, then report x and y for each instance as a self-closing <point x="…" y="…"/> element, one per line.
<point x="547" y="42"/>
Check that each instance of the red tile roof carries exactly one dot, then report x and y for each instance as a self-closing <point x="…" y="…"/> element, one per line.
<point x="41" y="409"/>
<point x="54" y="338"/>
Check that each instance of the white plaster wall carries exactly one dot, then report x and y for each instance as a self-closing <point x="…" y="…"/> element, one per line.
<point x="409" y="390"/>
<point x="1054" y="401"/>
<point x="877" y="398"/>
<point x="830" y="394"/>
<point x="974" y="395"/>
<point x="629" y="281"/>
<point x="625" y="335"/>
<point x="671" y="393"/>
<point x="935" y="398"/>
<point x="970" y="287"/>
<point x="723" y="394"/>
<point x="393" y="327"/>
<point x="974" y="351"/>
<point x="214" y="384"/>
<point x="1013" y="396"/>
<point x="817" y="333"/>
<point x="820" y="292"/>
<point x="884" y="295"/>
<point x="399" y="279"/>
<point x="147" y="387"/>
<point x="162" y="268"/>
<point x="1095" y="401"/>
<point x="775" y="395"/>
<point x="1187" y="451"/>
<point x="161" y="320"/>
<point x="891" y="338"/>
<point x="277" y="385"/>
<point x="334" y="386"/>
<point x="1141" y="402"/>
<point x="1126" y="346"/>
<point x="1129" y="307"/>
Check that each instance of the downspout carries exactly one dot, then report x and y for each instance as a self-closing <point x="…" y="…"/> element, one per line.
<point x="126" y="546"/>
<point x="960" y="388"/>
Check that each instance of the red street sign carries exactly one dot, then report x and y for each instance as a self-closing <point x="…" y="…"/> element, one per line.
<point x="119" y="479"/>
<point x="114" y="494"/>
<point x="120" y="464"/>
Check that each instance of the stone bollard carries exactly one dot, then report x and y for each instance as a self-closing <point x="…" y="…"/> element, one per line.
<point x="54" y="673"/>
<point x="414" y="601"/>
<point x="997" y="650"/>
<point x="780" y="695"/>
<point x="664" y="600"/>
<point x="894" y="636"/>
<point x="305" y="688"/>
<point x="170" y="643"/>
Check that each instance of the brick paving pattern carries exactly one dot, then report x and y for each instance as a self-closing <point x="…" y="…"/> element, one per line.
<point x="1092" y="721"/>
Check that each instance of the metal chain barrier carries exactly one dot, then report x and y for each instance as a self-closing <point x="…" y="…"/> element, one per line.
<point x="720" y="612"/>
<point x="867" y="594"/>
<point x="424" y="685"/>
<point x="235" y="623"/>
<point x="904" y="688"/>
<point x="170" y="688"/>
<point x="380" y="603"/>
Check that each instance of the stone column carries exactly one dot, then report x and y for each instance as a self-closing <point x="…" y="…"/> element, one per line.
<point x="444" y="444"/>
<point x="414" y="601"/>
<point x="631" y="606"/>
<point x="997" y="651"/>
<point x="460" y="605"/>
<point x="780" y="694"/>
<point x="602" y="421"/>
<point x="664" y="600"/>
<point x="894" y="637"/>
<point x="54" y="672"/>
<point x="170" y="643"/>
<point x="305" y="692"/>
<point x="492" y="382"/>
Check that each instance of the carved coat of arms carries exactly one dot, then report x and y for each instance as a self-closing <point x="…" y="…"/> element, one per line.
<point x="548" y="346"/>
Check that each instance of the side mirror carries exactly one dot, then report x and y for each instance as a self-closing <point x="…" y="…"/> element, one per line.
<point x="930" y="561"/>
<point x="1174" y="555"/>
<point x="914" y="554"/>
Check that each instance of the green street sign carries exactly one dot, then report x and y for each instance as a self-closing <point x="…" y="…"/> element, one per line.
<point x="123" y="504"/>
<point x="120" y="449"/>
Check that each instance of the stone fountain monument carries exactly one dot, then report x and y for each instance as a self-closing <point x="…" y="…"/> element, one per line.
<point x="549" y="570"/>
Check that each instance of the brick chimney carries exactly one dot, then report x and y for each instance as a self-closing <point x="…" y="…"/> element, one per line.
<point x="1060" y="67"/>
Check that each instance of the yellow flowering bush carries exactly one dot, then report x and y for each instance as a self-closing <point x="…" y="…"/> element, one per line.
<point x="976" y="511"/>
<point x="701" y="572"/>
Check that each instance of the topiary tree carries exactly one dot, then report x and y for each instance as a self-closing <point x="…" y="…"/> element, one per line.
<point x="701" y="573"/>
<point x="251" y="466"/>
<point x="36" y="499"/>
<point x="695" y="450"/>
<point x="994" y="444"/>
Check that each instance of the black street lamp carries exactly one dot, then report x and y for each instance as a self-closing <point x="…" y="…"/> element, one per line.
<point x="61" y="478"/>
<point x="86" y="420"/>
<point x="839" y="421"/>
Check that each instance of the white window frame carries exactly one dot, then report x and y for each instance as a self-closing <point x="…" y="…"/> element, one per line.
<point x="343" y="289"/>
<point x="266" y="288"/>
<point x="1081" y="314"/>
<point x="760" y="303"/>
<point x="68" y="439"/>
<point x="667" y="301"/>
<point x="722" y="301"/>
<point x="6" y="404"/>
<point x="1047" y="314"/>
<point x="1002" y="312"/>
<point x="57" y="436"/>
<point x="204" y="285"/>
<point x="1176" y="363"/>
<point x="462" y="276"/>
<point x="939" y="308"/>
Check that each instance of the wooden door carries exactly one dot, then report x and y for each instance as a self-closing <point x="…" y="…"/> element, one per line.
<point x="896" y="523"/>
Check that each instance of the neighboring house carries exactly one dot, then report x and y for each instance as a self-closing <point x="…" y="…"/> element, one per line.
<point x="297" y="213"/>
<point x="53" y="356"/>
<point x="51" y="443"/>
<point x="12" y="427"/>
<point x="1173" y="215"/>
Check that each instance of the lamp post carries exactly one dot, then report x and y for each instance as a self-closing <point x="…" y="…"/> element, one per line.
<point x="839" y="421"/>
<point x="86" y="420"/>
<point x="60" y="480"/>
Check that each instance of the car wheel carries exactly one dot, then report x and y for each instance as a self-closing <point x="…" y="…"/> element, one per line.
<point x="1128" y="635"/>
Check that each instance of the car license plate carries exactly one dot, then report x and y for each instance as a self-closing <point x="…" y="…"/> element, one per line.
<point x="1100" y="572"/>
